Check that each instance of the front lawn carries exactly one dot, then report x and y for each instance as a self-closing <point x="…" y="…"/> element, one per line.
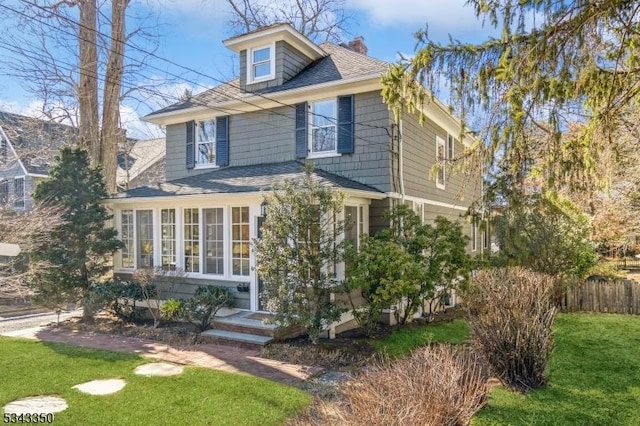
<point x="594" y="377"/>
<point x="197" y="397"/>
<point x="403" y="340"/>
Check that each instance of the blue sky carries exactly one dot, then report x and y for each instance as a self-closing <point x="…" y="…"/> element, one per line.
<point x="192" y="31"/>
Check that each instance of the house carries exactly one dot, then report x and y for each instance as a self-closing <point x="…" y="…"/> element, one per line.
<point x="141" y="163"/>
<point x="294" y="101"/>
<point x="28" y="147"/>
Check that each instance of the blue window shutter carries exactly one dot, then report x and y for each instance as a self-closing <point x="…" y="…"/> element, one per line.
<point x="222" y="141"/>
<point x="302" y="134"/>
<point x="191" y="150"/>
<point x="346" y="134"/>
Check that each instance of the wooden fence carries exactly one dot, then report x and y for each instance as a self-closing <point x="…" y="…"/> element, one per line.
<point x="620" y="296"/>
<point x="628" y="263"/>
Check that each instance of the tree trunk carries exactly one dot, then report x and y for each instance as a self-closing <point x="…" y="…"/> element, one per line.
<point x="88" y="79"/>
<point x="112" y="134"/>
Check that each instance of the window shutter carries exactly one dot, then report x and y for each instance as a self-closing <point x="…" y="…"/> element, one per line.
<point x="191" y="150"/>
<point x="346" y="134"/>
<point x="302" y="145"/>
<point x="222" y="141"/>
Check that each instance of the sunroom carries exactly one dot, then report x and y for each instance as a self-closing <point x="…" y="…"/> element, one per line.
<point x="204" y="225"/>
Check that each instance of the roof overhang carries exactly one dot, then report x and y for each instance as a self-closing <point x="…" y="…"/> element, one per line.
<point x="282" y="32"/>
<point x="237" y="197"/>
<point x="361" y="84"/>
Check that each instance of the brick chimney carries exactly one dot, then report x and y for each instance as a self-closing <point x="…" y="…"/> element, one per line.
<point x="357" y="45"/>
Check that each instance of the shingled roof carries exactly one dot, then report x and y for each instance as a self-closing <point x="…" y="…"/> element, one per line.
<point x="35" y="141"/>
<point x="341" y="63"/>
<point x="241" y="179"/>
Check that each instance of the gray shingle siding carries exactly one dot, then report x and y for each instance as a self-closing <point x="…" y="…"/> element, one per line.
<point x="288" y="62"/>
<point x="370" y="162"/>
<point x="264" y="137"/>
<point x="187" y="287"/>
<point x="419" y="157"/>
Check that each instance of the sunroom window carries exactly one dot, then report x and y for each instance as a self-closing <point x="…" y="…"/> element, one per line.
<point x="214" y="241"/>
<point x="144" y="244"/>
<point x="126" y="236"/>
<point x="168" y="238"/>
<point x="191" y="240"/>
<point x="240" y="240"/>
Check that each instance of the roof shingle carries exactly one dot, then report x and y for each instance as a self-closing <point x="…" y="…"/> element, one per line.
<point x="241" y="179"/>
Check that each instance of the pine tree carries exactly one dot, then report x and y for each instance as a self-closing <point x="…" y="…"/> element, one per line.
<point x="78" y="250"/>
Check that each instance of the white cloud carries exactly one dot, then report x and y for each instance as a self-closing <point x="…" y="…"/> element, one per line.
<point x="443" y="16"/>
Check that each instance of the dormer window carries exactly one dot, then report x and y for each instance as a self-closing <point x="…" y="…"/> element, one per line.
<point x="261" y="64"/>
<point x="206" y="142"/>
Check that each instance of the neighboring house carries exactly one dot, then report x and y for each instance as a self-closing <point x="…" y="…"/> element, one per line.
<point x="141" y="163"/>
<point x="294" y="101"/>
<point x="28" y="147"/>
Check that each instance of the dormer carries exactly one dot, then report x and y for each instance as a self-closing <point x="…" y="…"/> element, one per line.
<point x="271" y="56"/>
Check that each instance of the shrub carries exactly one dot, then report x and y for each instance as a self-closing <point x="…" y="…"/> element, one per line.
<point x="436" y="385"/>
<point x="172" y="309"/>
<point x="156" y="285"/>
<point x="118" y="297"/>
<point x="406" y="266"/>
<point x="205" y="304"/>
<point x="511" y="312"/>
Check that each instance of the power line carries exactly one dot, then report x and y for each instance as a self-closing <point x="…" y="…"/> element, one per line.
<point x="153" y="54"/>
<point x="66" y="66"/>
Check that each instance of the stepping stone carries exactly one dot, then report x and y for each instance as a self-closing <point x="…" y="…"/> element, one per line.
<point x="159" y="369"/>
<point x="101" y="387"/>
<point x="36" y="404"/>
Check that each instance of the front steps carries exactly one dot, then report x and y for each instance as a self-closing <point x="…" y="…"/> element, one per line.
<point x="240" y="329"/>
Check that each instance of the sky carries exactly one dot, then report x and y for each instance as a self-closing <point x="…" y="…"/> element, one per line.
<point x="190" y="54"/>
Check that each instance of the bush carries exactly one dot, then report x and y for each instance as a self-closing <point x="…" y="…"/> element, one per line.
<point x="205" y="304"/>
<point x="172" y="309"/>
<point x="511" y="312"/>
<point x="436" y="385"/>
<point x="118" y="297"/>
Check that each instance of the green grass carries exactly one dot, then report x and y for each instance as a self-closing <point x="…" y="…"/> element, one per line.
<point x="594" y="377"/>
<point x="197" y="397"/>
<point x="402" y="341"/>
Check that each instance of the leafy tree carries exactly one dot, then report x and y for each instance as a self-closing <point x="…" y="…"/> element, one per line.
<point x="298" y="253"/>
<point x="548" y="234"/>
<point x="407" y="266"/>
<point x="555" y="62"/>
<point x="79" y="248"/>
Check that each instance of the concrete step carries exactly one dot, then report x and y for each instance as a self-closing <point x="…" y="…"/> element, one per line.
<point x="240" y="324"/>
<point x="235" y="339"/>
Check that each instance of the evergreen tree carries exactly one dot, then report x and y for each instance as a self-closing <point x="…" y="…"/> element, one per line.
<point x="77" y="250"/>
<point x="555" y="62"/>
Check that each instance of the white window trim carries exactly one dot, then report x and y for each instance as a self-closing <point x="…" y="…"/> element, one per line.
<point x="197" y="146"/>
<point x="272" y="62"/>
<point x="441" y="142"/>
<point x="322" y="154"/>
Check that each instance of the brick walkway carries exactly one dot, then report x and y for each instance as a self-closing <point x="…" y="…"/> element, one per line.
<point x="217" y="357"/>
